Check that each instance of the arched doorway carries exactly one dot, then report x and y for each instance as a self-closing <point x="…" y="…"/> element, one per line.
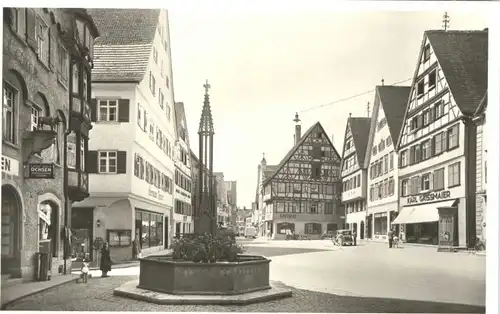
<point x="11" y="209"/>
<point x="48" y="216"/>
<point x="362" y="230"/>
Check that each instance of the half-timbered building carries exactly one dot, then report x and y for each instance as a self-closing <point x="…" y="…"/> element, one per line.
<point x="381" y="158"/>
<point x="354" y="182"/>
<point x="302" y="195"/>
<point x="437" y="143"/>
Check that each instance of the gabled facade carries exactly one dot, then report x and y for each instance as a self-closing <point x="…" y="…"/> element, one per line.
<point x="354" y="178"/>
<point x="131" y="156"/>
<point x="381" y="159"/>
<point x="183" y="211"/>
<point x="264" y="171"/>
<point x="437" y="143"/>
<point x="302" y="195"/>
<point x="47" y="64"/>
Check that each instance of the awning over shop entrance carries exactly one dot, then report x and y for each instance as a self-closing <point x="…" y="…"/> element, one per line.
<point x="421" y="213"/>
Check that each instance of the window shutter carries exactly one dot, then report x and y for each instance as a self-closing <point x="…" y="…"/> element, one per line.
<point x="52" y="49"/>
<point x="121" y="163"/>
<point x="124" y="110"/>
<point x="91" y="161"/>
<point x="93" y="110"/>
<point x="31" y="28"/>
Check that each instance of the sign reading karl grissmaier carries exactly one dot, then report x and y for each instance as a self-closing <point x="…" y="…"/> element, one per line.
<point x="428" y="197"/>
<point x="41" y="171"/>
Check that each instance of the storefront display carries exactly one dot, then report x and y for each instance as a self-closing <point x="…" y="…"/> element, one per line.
<point x="150" y="227"/>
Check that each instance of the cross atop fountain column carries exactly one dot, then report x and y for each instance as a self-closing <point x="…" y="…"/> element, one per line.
<point x="205" y="215"/>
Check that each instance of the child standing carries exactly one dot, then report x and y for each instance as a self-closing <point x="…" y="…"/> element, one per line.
<point x="85" y="271"/>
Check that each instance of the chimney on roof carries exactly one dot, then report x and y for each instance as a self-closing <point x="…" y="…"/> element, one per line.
<point x="297" y="128"/>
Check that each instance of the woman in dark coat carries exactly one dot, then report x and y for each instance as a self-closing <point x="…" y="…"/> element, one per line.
<point x="105" y="260"/>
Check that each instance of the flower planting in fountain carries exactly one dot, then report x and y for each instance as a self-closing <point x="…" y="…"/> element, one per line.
<point x="207" y="248"/>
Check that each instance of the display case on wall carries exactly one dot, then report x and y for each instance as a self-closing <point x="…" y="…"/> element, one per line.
<point x="119" y="237"/>
<point x="447" y="228"/>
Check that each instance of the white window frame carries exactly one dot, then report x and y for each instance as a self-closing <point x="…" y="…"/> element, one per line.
<point x="35" y="114"/>
<point x="104" y="158"/>
<point x="426" y="180"/>
<point x="457" y="173"/>
<point x="9" y="108"/>
<point x="105" y="103"/>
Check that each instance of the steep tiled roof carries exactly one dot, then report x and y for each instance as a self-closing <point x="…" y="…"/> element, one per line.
<point x="270" y="170"/>
<point x="393" y="101"/>
<point x="122" y="51"/>
<point x="463" y="56"/>
<point x="294" y="149"/>
<point x="482" y="105"/>
<point x="360" y="129"/>
<point x="120" y="63"/>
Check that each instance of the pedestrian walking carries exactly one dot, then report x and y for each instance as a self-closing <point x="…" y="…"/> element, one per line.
<point x="105" y="260"/>
<point x="354" y="237"/>
<point x="390" y="235"/>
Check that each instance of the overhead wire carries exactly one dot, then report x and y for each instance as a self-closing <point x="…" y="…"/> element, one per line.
<point x="351" y="97"/>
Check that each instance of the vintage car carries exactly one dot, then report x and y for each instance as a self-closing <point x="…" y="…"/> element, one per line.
<point x="343" y="237"/>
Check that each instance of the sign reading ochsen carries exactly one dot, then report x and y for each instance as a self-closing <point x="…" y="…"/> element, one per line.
<point x="41" y="171"/>
<point x="428" y="197"/>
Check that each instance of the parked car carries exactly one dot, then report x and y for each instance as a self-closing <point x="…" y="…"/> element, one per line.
<point x="250" y="232"/>
<point x="343" y="237"/>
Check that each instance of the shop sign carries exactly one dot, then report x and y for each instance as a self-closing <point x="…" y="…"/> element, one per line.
<point x="428" y="197"/>
<point x="288" y="216"/>
<point x="10" y="166"/>
<point x="41" y="171"/>
<point x="155" y="193"/>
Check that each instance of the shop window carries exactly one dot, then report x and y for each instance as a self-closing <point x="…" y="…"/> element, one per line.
<point x="312" y="228"/>
<point x="119" y="238"/>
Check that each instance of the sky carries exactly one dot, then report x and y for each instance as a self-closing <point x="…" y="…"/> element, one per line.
<point x="266" y="65"/>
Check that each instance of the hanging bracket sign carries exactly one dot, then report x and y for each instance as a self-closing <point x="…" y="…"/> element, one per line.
<point x="41" y="171"/>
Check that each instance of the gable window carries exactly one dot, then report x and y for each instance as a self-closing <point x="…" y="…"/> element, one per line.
<point x="426" y="182"/>
<point x="374" y="150"/>
<point x="9" y="107"/>
<point x="454" y="175"/>
<point x="438" y="179"/>
<point x="63" y="64"/>
<point x="438" y="110"/>
<point x="404" y="187"/>
<point x="453" y="137"/>
<point x="167" y="111"/>
<point x="160" y="98"/>
<point x="426" y="150"/>
<point x="108" y="110"/>
<point x="432" y="79"/>
<point x="107" y="161"/>
<point x="155" y="55"/>
<point x="35" y="116"/>
<point x="427" y="52"/>
<point x="152" y="83"/>
<point x="381" y="145"/>
<point x="414" y="124"/>
<point x="388" y="141"/>
<point x="420" y="88"/>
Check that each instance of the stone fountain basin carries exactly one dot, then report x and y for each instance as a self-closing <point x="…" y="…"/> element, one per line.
<point x="164" y="274"/>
